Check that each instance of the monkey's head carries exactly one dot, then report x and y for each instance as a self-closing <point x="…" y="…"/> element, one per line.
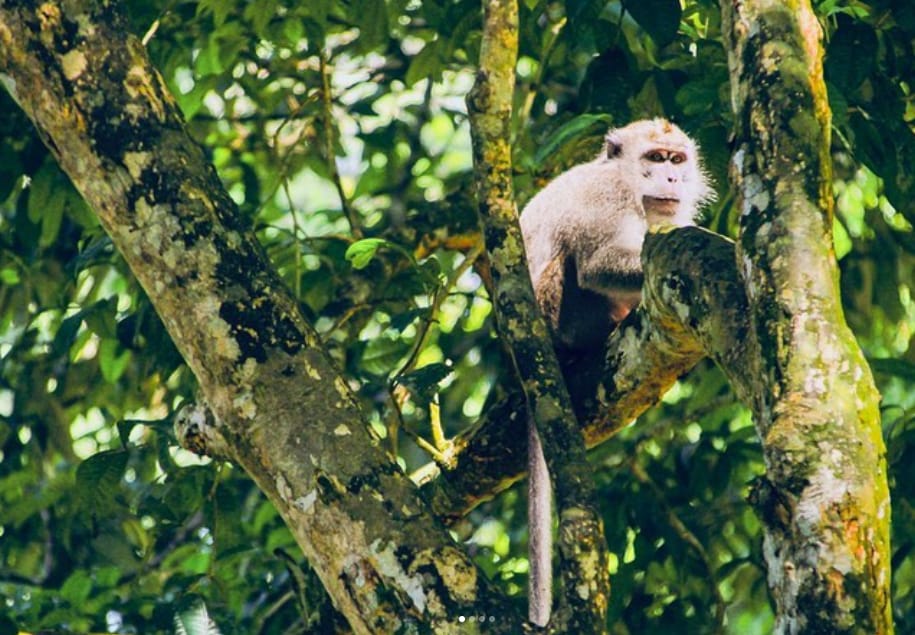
<point x="662" y="165"/>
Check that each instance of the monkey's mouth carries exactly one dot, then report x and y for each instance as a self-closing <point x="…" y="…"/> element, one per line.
<point x="659" y="205"/>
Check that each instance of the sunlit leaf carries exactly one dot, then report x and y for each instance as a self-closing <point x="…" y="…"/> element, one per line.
<point x="361" y="252"/>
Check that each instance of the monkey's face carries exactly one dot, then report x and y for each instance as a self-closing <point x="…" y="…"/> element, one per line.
<point x="672" y="185"/>
<point x="660" y="164"/>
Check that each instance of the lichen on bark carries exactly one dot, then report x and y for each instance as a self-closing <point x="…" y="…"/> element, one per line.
<point x="824" y="501"/>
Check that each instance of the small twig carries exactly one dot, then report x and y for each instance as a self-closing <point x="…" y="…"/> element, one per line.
<point x="435" y="423"/>
<point x="441" y="449"/>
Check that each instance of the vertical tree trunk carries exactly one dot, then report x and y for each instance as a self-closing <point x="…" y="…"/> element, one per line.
<point x="582" y="548"/>
<point x="824" y="500"/>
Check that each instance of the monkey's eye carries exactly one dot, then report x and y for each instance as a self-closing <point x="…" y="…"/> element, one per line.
<point x="655" y="156"/>
<point x="677" y="158"/>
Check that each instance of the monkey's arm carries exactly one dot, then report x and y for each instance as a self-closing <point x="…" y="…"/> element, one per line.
<point x="610" y="272"/>
<point x="581" y="318"/>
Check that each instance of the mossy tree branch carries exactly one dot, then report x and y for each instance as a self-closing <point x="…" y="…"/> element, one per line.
<point x="582" y="548"/>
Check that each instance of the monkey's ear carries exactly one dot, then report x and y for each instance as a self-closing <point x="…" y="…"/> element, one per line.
<point x="613" y="145"/>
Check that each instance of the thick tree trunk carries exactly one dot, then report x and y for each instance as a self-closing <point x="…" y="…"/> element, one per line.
<point x="824" y="500"/>
<point x="287" y="415"/>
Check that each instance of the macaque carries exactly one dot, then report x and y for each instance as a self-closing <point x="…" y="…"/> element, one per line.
<point x="583" y="235"/>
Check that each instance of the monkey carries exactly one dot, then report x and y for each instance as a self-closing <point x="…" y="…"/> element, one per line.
<point x="583" y="236"/>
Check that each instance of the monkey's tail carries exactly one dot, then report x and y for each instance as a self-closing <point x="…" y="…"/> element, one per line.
<point x="540" y="531"/>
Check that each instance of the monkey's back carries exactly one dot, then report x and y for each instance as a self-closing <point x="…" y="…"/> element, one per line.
<point x="580" y="205"/>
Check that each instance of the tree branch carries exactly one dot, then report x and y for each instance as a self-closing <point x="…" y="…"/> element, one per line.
<point x="582" y="548"/>
<point x="286" y="414"/>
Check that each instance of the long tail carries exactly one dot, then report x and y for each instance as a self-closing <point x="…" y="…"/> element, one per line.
<point x="540" y="531"/>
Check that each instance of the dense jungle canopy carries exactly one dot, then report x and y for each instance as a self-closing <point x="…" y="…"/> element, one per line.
<point x="340" y="134"/>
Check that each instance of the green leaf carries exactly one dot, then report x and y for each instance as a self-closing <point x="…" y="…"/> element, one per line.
<point x="77" y="588"/>
<point x="896" y="367"/>
<point x="431" y="270"/>
<point x="66" y="335"/>
<point x="47" y="197"/>
<point x="260" y="14"/>
<point x="9" y="276"/>
<point x="219" y="9"/>
<point x="315" y="25"/>
<point x="136" y="534"/>
<point x="99" y="249"/>
<point x="78" y="210"/>
<point x="192" y="101"/>
<point x="98" y="479"/>
<point x="209" y="59"/>
<point x="372" y="20"/>
<point x="382" y="354"/>
<point x="425" y="381"/>
<point x="101" y="318"/>
<point x="186" y="491"/>
<point x="30" y="505"/>
<point x="361" y="252"/>
<point x="841" y="241"/>
<point x="568" y="132"/>
<point x="111" y="363"/>
<point x="659" y="18"/>
<point x="426" y="65"/>
<point x="852" y="54"/>
<point x="318" y="10"/>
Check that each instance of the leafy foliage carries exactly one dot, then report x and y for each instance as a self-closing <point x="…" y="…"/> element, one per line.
<point x="339" y="129"/>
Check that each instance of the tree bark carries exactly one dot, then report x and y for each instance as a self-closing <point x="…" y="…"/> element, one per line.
<point x="287" y="415"/>
<point x="824" y="500"/>
<point x="583" y="551"/>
